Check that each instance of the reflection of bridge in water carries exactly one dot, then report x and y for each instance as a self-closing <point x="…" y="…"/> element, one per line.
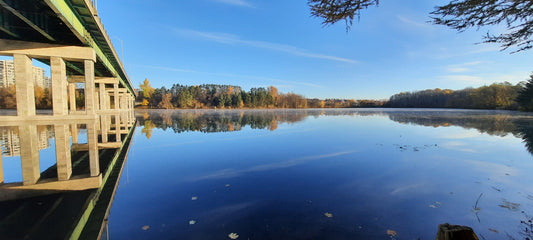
<point x="77" y="189"/>
<point x="72" y="198"/>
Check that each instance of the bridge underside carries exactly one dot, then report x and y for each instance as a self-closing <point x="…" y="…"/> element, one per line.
<point x="68" y="23"/>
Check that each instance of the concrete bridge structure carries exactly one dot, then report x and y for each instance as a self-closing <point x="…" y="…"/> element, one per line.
<point x="68" y="36"/>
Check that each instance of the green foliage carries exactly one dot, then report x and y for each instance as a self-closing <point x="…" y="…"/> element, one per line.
<point x="516" y="15"/>
<point x="495" y="96"/>
<point x="457" y="14"/>
<point x="525" y="96"/>
<point x="332" y="11"/>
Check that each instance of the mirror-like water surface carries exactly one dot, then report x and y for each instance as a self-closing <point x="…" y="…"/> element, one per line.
<point x="325" y="174"/>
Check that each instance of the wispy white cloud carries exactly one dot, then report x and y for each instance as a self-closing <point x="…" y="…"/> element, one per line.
<point x="420" y="24"/>
<point x="408" y="188"/>
<point x="464" y="79"/>
<point x="230" y="173"/>
<point x="232" y="39"/>
<point x="457" y="69"/>
<point x="463" y="67"/>
<point x="462" y="135"/>
<point x="232" y="75"/>
<point x="241" y="3"/>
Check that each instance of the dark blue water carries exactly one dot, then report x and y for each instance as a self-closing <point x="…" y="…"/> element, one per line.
<point x="325" y="174"/>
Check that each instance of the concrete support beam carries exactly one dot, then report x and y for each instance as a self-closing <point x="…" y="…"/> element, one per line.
<point x="44" y="50"/>
<point x="59" y="86"/>
<point x="13" y="191"/>
<point x="103" y="96"/>
<point x="24" y="85"/>
<point x="96" y="99"/>
<point x="29" y="154"/>
<point x="115" y="95"/>
<point x="74" y="133"/>
<point x="117" y="128"/>
<point x="80" y="79"/>
<point x="72" y="96"/>
<point x="92" y="142"/>
<point x="90" y="98"/>
<point x="63" y="157"/>
<point x="107" y="145"/>
<point x="104" y="129"/>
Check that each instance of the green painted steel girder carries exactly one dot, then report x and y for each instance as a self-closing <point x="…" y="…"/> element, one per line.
<point x="62" y="8"/>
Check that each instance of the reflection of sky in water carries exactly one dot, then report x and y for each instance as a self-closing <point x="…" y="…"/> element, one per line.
<point x="371" y="173"/>
<point x="12" y="164"/>
<point x="404" y="171"/>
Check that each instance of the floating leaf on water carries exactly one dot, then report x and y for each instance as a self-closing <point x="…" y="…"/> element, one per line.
<point x="509" y="205"/>
<point x="233" y="235"/>
<point x="194" y="198"/>
<point x="435" y="205"/>
<point x="145" y="227"/>
<point x="329" y="215"/>
<point x="391" y="233"/>
<point x="192" y="222"/>
<point x="227" y="185"/>
<point x="493" y="230"/>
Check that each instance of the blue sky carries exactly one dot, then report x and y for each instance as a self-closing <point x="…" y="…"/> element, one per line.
<point x="253" y="43"/>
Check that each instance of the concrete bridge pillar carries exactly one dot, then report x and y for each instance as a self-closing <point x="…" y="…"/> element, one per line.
<point x="92" y="142"/>
<point x="90" y="95"/>
<point x="103" y="96"/>
<point x="104" y="129"/>
<point x="29" y="154"/>
<point x="74" y="132"/>
<point x="117" y="128"/>
<point x="123" y="101"/>
<point x="63" y="157"/>
<point x="72" y="97"/>
<point x="115" y="96"/>
<point x="59" y="86"/>
<point x="24" y="85"/>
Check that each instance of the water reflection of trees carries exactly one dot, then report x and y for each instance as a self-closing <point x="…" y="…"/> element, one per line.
<point x="498" y="123"/>
<point x="209" y="121"/>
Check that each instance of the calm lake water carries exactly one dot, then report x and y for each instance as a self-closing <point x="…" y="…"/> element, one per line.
<point x="318" y="174"/>
<point x="325" y="174"/>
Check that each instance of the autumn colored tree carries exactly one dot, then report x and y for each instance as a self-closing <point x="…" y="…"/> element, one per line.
<point x="8" y="99"/>
<point x="273" y="91"/>
<point x="148" y="128"/>
<point x="147" y="91"/>
<point x="43" y="98"/>
<point x="165" y="102"/>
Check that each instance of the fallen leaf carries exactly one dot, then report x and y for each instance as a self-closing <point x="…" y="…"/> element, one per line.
<point x="227" y="185"/>
<point x="233" y="235"/>
<point x="391" y="233"/>
<point x="194" y="198"/>
<point x="145" y="227"/>
<point x="329" y="215"/>
<point x="493" y="230"/>
<point x="192" y="222"/>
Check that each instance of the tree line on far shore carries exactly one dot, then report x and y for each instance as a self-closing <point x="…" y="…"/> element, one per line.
<point x="234" y="97"/>
<point x="495" y="96"/>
